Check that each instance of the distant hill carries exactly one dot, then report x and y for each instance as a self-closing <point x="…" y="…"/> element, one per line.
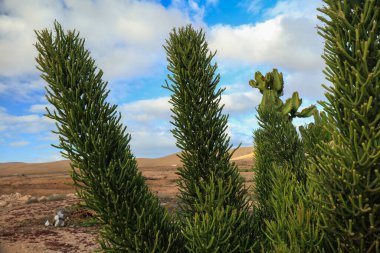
<point x="242" y="156"/>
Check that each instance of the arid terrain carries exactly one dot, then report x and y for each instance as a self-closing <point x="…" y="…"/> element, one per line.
<point x="31" y="194"/>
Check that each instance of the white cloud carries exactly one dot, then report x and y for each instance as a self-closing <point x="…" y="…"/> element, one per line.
<point x="286" y="42"/>
<point x="295" y="8"/>
<point x="124" y="37"/>
<point x="241" y="129"/>
<point x="143" y="111"/>
<point x="152" y="142"/>
<point x="193" y="9"/>
<point x="49" y="136"/>
<point x="49" y="157"/>
<point x="252" y="6"/>
<point x="41" y="108"/>
<point x="212" y="2"/>
<point x="21" y="88"/>
<point x="308" y="84"/>
<point x="240" y="102"/>
<point x="31" y="123"/>
<point x="18" y="143"/>
<point x="148" y="123"/>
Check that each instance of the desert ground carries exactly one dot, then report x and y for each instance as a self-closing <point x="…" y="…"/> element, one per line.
<point x="31" y="194"/>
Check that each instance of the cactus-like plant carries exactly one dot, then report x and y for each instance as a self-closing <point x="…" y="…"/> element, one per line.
<point x="313" y="135"/>
<point x="272" y="88"/>
<point x="297" y="225"/>
<point x="216" y="227"/>
<point x="97" y="145"/>
<point x="350" y="167"/>
<point x="276" y="143"/>
<point x="200" y="130"/>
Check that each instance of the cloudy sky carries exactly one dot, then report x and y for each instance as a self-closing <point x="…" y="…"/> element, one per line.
<point x="126" y="37"/>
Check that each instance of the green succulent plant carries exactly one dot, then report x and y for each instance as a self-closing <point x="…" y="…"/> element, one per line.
<point x="349" y="165"/>
<point x="208" y="177"/>
<point x="91" y="136"/>
<point x="272" y="88"/>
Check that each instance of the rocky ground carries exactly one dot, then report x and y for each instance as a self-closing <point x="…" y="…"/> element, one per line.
<point x="22" y="225"/>
<point x="31" y="194"/>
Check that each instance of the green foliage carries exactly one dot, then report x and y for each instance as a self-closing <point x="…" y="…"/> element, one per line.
<point x="216" y="227"/>
<point x="200" y="131"/>
<point x="272" y="88"/>
<point x="350" y="164"/>
<point x="313" y="135"/>
<point x="297" y="225"/>
<point x="97" y="144"/>
<point x="200" y="126"/>
<point x="276" y="143"/>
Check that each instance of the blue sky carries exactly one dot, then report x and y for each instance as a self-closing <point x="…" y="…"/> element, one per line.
<point x="126" y="37"/>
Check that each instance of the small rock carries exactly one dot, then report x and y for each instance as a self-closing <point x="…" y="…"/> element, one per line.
<point x="3" y="203"/>
<point x="59" y="218"/>
<point x="60" y="214"/>
<point x="59" y="223"/>
<point x="47" y="223"/>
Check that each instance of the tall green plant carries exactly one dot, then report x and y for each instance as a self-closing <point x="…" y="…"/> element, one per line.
<point x="298" y="224"/>
<point x="350" y="164"/>
<point x="200" y="130"/>
<point x="288" y="202"/>
<point x="97" y="145"/>
<point x="276" y="142"/>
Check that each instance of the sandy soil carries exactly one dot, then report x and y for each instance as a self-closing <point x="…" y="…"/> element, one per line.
<point x="31" y="193"/>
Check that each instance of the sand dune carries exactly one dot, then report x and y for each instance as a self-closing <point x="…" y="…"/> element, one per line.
<point x="249" y="156"/>
<point x="54" y="177"/>
<point x="7" y="169"/>
<point x="15" y="168"/>
<point x="242" y="153"/>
